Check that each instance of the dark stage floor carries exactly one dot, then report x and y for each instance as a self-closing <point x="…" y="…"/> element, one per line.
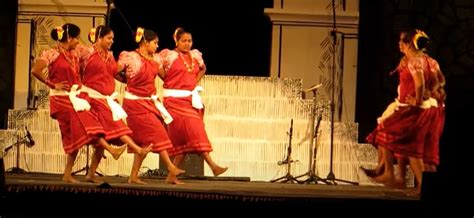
<point x="40" y="192"/>
<point x="211" y="187"/>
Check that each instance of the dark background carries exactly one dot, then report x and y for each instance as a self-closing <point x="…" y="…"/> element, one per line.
<point x="450" y="25"/>
<point x="8" y="12"/>
<point x="235" y="38"/>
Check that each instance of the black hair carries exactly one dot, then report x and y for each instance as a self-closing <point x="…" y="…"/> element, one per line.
<point x="178" y="33"/>
<point x="148" y="35"/>
<point x="422" y="42"/>
<point x="100" y="32"/>
<point x="68" y="30"/>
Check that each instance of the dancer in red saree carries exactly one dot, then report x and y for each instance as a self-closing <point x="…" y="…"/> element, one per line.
<point x="145" y="111"/>
<point x="69" y="105"/>
<point x="183" y="70"/>
<point x="99" y="69"/>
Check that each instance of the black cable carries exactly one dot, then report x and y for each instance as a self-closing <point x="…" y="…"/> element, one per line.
<point x="124" y="19"/>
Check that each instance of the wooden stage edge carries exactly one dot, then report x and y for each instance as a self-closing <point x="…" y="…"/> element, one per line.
<point x="40" y="191"/>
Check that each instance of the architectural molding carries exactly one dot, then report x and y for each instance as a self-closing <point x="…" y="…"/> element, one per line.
<point x="63" y="7"/>
<point x="298" y="18"/>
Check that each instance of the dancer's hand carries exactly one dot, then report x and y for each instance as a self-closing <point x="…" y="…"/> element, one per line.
<point x="64" y="85"/>
<point x="412" y="101"/>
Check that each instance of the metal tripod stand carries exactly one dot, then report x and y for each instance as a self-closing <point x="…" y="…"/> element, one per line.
<point x="331" y="178"/>
<point x="16" y="168"/>
<point x="85" y="169"/>
<point x="288" y="177"/>
<point x="311" y="174"/>
<point x="27" y="141"/>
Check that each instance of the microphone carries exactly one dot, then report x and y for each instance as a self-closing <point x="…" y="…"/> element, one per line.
<point x="111" y="4"/>
<point x="110" y="7"/>
<point x="281" y="162"/>
<point x="7" y="149"/>
<point x="30" y="137"/>
<point x="314" y="87"/>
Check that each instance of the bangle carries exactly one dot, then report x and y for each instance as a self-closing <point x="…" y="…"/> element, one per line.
<point x="50" y="84"/>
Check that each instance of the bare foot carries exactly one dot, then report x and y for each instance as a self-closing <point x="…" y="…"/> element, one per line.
<point x="171" y="179"/>
<point x="430" y="168"/>
<point x="399" y="183"/>
<point x="70" y="179"/>
<point x="413" y="192"/>
<point x="385" y="179"/>
<point x="144" y="151"/>
<point x="93" y="179"/>
<point x="118" y="152"/>
<point x="136" y="181"/>
<point x="219" y="170"/>
<point x="372" y="172"/>
<point x="175" y="171"/>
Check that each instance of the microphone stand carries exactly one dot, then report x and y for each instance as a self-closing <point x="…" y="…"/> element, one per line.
<point x="331" y="178"/>
<point x="85" y="169"/>
<point x="288" y="177"/>
<point x="109" y="9"/>
<point x="16" y="168"/>
<point x="312" y="177"/>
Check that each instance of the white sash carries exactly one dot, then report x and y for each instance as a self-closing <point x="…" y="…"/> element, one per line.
<point x="166" y="115"/>
<point x="196" y="98"/>
<point x="78" y="104"/>
<point x="117" y="111"/>
<point x="431" y="102"/>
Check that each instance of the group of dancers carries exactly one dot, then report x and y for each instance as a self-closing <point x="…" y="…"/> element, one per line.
<point x="410" y="128"/>
<point x="83" y="100"/>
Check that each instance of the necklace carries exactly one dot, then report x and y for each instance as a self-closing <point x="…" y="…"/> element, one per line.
<point x="73" y="61"/>
<point x="189" y="68"/>
<point x="104" y="55"/>
<point x="148" y="57"/>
